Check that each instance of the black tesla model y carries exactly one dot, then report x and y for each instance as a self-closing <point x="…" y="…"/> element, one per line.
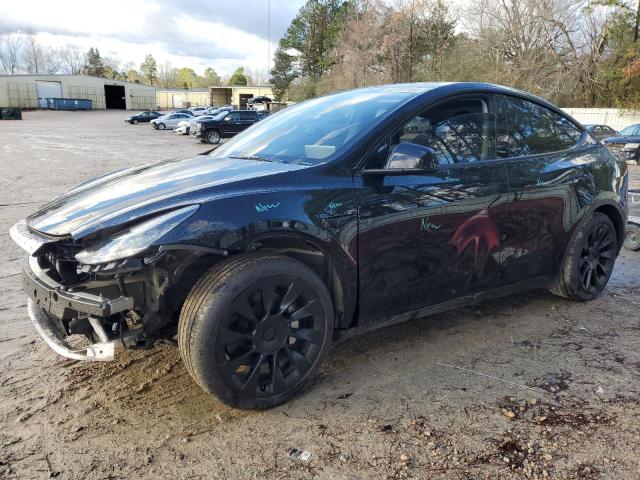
<point x="337" y="215"/>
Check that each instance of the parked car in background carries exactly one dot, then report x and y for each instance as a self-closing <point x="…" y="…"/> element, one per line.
<point x="632" y="235"/>
<point x="169" y="121"/>
<point x="600" y="131"/>
<point x="262" y="114"/>
<point x="626" y="144"/>
<point x="323" y="221"/>
<point x="197" y="111"/>
<point x="143" y="117"/>
<point x="217" y="110"/>
<point x="185" y="111"/>
<point x="224" y="125"/>
<point x="184" y="127"/>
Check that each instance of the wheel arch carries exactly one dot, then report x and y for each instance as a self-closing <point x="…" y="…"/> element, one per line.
<point x="301" y="247"/>
<point x="612" y="210"/>
<point x="317" y="256"/>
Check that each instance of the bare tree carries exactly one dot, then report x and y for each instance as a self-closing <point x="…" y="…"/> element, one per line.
<point x="52" y="61"/>
<point x="33" y="55"/>
<point x="73" y="59"/>
<point x="167" y="75"/>
<point x="10" y="51"/>
<point x="112" y="66"/>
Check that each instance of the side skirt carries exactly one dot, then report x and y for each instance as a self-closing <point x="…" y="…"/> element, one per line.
<point x="537" y="282"/>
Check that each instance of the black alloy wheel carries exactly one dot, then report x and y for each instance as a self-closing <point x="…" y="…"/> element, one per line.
<point x="272" y="334"/>
<point x="597" y="259"/>
<point x="589" y="259"/>
<point x="254" y="330"/>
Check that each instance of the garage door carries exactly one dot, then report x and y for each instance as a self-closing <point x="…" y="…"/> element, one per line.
<point x="177" y="100"/>
<point x="47" y="90"/>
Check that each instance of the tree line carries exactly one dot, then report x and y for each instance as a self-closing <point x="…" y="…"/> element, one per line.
<point x="573" y="52"/>
<point x="25" y="54"/>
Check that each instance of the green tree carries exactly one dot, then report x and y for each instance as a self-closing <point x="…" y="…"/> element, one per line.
<point x="211" y="77"/>
<point x="186" y="78"/>
<point x="284" y="72"/>
<point x="238" y="77"/>
<point x="149" y="69"/>
<point x="94" y="64"/>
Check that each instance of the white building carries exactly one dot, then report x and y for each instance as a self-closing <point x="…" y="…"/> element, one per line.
<point x="30" y="91"/>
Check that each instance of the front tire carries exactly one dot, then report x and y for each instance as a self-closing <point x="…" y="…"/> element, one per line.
<point x="161" y="126"/>
<point x="255" y="329"/>
<point x="135" y="122"/>
<point x="632" y="237"/>
<point x="589" y="260"/>
<point x="213" y="137"/>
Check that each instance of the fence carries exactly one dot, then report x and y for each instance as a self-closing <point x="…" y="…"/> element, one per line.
<point x="23" y="95"/>
<point x="616" y="118"/>
<point x="142" y="100"/>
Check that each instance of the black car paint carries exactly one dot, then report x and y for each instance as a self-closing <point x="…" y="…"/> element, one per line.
<point x="389" y="241"/>
<point x="228" y="128"/>
<point x="143" y="117"/>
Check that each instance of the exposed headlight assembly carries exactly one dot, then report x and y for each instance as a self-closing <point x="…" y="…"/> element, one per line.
<point x="134" y="240"/>
<point x="631" y="146"/>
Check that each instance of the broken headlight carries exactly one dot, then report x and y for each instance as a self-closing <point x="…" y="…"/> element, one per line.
<point x="134" y="240"/>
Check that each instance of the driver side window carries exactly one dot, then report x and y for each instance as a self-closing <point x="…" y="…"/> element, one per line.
<point x="460" y="130"/>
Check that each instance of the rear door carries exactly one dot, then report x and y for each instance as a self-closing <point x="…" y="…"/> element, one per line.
<point x="231" y="124"/>
<point x="247" y="118"/>
<point x="426" y="238"/>
<point x="550" y="175"/>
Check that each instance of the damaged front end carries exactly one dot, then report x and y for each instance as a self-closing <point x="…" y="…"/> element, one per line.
<point x="86" y="297"/>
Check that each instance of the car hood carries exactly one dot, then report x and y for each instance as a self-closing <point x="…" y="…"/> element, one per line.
<point x="625" y="139"/>
<point x="132" y="193"/>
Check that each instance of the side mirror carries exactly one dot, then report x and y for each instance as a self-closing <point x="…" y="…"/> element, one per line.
<point x="227" y="118"/>
<point x="412" y="156"/>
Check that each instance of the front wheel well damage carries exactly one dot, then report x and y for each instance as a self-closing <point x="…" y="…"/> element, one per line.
<point x="194" y="265"/>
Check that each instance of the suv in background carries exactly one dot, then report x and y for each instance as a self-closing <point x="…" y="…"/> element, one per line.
<point x="224" y="125"/>
<point x="626" y="144"/>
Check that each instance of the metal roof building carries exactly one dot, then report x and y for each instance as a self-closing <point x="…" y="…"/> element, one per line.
<point x="30" y="91"/>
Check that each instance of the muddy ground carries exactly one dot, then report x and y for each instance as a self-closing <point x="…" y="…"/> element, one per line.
<point x="530" y="386"/>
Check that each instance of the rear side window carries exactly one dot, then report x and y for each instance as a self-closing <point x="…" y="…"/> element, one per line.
<point x="526" y="128"/>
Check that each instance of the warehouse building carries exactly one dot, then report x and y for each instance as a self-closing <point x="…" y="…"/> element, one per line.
<point x="31" y="91"/>
<point x="170" y="99"/>
<point x="236" y="95"/>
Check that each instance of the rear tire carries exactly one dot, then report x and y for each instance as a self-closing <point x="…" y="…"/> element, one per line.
<point x="254" y="330"/>
<point x="213" y="137"/>
<point x="589" y="260"/>
<point x="632" y="237"/>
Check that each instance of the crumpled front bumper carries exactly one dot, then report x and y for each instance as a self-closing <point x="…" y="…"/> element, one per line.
<point x="51" y="333"/>
<point x="47" y="303"/>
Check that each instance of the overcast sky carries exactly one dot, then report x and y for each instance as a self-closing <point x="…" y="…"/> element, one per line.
<point x="224" y="34"/>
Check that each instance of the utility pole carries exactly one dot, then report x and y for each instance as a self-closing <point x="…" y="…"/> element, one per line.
<point x="268" y="36"/>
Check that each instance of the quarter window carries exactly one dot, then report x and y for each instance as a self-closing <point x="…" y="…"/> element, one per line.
<point x="526" y="128"/>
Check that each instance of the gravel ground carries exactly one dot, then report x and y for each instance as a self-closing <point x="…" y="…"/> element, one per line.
<point x="529" y="386"/>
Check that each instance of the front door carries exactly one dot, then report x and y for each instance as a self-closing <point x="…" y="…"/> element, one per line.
<point x="429" y="237"/>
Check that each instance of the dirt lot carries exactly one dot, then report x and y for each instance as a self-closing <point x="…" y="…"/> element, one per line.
<point x="530" y="386"/>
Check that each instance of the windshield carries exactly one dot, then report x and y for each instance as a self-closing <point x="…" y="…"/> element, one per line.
<point x="317" y="130"/>
<point x="630" y="130"/>
<point x="220" y="115"/>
